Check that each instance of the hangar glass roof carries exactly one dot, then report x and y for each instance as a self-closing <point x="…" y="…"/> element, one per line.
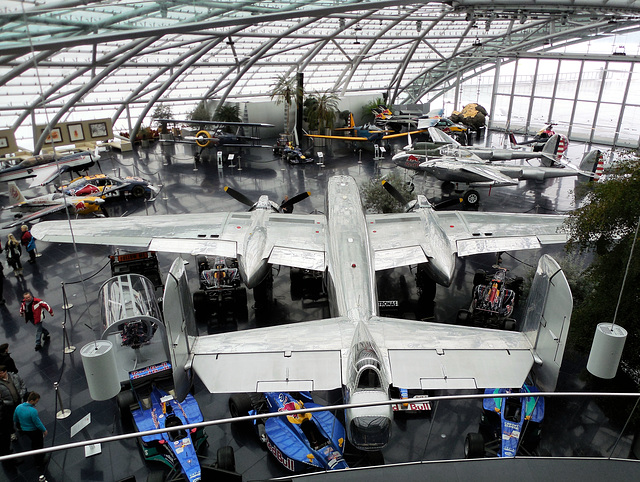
<point x="77" y="59"/>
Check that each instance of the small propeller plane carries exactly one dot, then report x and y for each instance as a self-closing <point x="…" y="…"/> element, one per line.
<point x="47" y="167"/>
<point x="474" y="172"/>
<point x="213" y="134"/>
<point x="49" y="204"/>
<point x="356" y="349"/>
<point x="443" y="145"/>
<point x="366" y="133"/>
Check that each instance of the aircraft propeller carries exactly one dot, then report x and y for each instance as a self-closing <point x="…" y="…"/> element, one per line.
<point x="295" y="199"/>
<point x="238" y="196"/>
<point x="411" y="204"/>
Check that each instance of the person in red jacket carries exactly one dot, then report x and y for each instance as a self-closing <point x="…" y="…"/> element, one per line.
<point x="29" y="242"/>
<point x="31" y="309"/>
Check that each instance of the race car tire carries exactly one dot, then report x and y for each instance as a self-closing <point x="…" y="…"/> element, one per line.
<point x="125" y="399"/>
<point x="463" y="317"/>
<point x="473" y="446"/>
<point x="479" y="278"/>
<point x="201" y="306"/>
<point x="225" y="459"/>
<point x="471" y="198"/>
<point x="374" y="457"/>
<point x="137" y="191"/>
<point x="239" y="404"/>
<point x="510" y="324"/>
<point x="156" y="476"/>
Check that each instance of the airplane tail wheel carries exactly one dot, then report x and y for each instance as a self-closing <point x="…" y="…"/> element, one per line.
<point x="203" y="138"/>
<point x="471" y="198"/>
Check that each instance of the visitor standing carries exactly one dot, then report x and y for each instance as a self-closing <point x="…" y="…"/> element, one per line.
<point x="29" y="242"/>
<point x="31" y="308"/>
<point x="28" y="421"/>
<point x="13" y="253"/>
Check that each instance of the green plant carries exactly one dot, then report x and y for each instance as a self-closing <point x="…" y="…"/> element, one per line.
<point x="200" y="113"/>
<point x="227" y="113"/>
<point x="286" y="90"/>
<point x="377" y="200"/>
<point x="321" y="110"/>
<point x="162" y="112"/>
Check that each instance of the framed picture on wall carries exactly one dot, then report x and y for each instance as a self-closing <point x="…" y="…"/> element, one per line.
<point x="99" y="129"/>
<point x="75" y="132"/>
<point x="55" y="135"/>
<point x="4" y="142"/>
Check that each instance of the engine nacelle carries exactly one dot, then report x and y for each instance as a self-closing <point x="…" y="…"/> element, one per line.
<point x="369" y="428"/>
<point x="533" y="174"/>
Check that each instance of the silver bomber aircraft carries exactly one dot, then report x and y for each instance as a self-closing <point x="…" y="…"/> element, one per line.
<point x="356" y="350"/>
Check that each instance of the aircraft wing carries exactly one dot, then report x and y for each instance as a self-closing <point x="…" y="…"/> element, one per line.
<point x="37" y="215"/>
<point x="405" y="239"/>
<point x="490" y="174"/>
<point x="215" y="123"/>
<point x="294" y="239"/>
<point x="393" y="136"/>
<point x="314" y="356"/>
<point x="46" y="174"/>
<point x="439" y="136"/>
<point x="343" y="138"/>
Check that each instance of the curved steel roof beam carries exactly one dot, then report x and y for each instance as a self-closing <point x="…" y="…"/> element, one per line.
<point x="444" y="68"/>
<point x="191" y="27"/>
<point x="89" y="86"/>
<point x="366" y="49"/>
<point x="401" y="69"/>
<point x="57" y="86"/>
<point x="193" y="57"/>
<point x="255" y="55"/>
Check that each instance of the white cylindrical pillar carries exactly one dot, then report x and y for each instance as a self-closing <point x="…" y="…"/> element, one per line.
<point x="99" y="362"/>
<point x="606" y="350"/>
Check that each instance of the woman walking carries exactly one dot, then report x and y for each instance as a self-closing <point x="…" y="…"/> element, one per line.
<point x="13" y="252"/>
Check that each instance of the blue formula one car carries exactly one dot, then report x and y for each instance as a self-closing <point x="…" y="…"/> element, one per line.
<point x="153" y="408"/>
<point x="509" y="425"/>
<point x="300" y="442"/>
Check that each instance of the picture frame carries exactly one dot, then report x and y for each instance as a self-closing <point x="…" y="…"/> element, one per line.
<point x="54" y="136"/>
<point x="4" y="142"/>
<point x="75" y="132"/>
<point x="98" y="129"/>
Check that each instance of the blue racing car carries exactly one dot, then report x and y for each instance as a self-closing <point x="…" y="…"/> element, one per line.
<point x="153" y="408"/>
<point x="509" y="425"/>
<point x="299" y="442"/>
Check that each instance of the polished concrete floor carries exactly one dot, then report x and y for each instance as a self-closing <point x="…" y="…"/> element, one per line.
<point x="575" y="427"/>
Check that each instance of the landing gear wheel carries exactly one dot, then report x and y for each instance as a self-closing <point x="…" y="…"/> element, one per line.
<point x="471" y="198"/>
<point x="473" y="446"/>
<point x="479" y="278"/>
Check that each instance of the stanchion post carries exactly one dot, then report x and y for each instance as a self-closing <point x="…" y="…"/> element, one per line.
<point x="68" y="347"/>
<point x="63" y="412"/>
<point x="66" y="305"/>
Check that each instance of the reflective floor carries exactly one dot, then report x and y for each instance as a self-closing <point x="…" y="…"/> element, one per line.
<point x="573" y="427"/>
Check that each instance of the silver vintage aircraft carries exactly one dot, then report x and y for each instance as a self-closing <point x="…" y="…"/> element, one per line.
<point x="356" y="350"/>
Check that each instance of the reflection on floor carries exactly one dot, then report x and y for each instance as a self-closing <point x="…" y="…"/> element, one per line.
<point x="189" y="187"/>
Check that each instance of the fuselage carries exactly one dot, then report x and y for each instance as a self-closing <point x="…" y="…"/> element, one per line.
<point x="30" y="167"/>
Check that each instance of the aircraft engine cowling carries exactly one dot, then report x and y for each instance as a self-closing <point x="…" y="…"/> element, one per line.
<point x="369" y="428"/>
<point x="533" y="174"/>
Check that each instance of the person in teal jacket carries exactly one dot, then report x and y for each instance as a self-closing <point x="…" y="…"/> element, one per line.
<point x="27" y="420"/>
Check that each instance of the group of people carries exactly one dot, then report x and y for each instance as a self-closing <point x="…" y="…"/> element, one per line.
<point x="18" y="413"/>
<point x="13" y="252"/>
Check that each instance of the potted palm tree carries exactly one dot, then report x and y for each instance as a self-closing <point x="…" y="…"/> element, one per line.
<point x="285" y="91"/>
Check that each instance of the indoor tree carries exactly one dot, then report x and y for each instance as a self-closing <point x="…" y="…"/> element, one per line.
<point x="321" y="110"/>
<point x="285" y="90"/>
